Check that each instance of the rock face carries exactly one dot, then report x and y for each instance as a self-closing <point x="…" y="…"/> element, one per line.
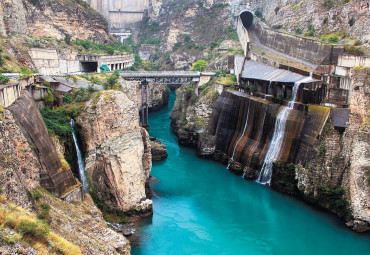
<point x="294" y="14"/>
<point x="52" y="18"/>
<point x="190" y="114"/>
<point x="159" y="94"/>
<point x="118" y="163"/>
<point x="20" y="167"/>
<point x="158" y="150"/>
<point x="83" y="225"/>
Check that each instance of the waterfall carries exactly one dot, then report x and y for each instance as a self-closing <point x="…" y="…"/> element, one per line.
<point x="268" y="90"/>
<point x="278" y="136"/>
<point x="245" y="127"/>
<point x="81" y="167"/>
<point x="274" y="147"/>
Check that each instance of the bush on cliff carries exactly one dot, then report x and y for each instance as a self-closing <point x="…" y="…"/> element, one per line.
<point x="199" y="65"/>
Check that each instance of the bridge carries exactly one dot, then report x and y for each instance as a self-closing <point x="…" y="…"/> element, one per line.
<point x="164" y="77"/>
<point x="159" y="77"/>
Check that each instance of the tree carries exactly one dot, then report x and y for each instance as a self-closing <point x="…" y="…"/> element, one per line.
<point x="199" y="65"/>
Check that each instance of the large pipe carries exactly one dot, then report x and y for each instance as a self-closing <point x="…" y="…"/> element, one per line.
<point x="247" y="19"/>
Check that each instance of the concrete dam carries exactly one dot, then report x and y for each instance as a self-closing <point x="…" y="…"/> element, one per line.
<point x="121" y="14"/>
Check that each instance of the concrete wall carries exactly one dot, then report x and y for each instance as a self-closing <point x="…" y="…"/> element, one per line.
<point x="304" y="48"/>
<point x="51" y="61"/>
<point x="126" y="12"/>
<point x="74" y="195"/>
<point x="243" y="36"/>
<point x="9" y="93"/>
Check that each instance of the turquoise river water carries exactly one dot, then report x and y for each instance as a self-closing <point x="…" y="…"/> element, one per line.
<point x="201" y="208"/>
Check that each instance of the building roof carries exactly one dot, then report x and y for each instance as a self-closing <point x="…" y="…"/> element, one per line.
<point x="8" y="85"/>
<point x="63" y="88"/>
<point x="47" y="78"/>
<point x="85" y="84"/>
<point x="258" y="71"/>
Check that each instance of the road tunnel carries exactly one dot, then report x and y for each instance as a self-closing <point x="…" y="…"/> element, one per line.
<point x="89" y="67"/>
<point x="247" y="19"/>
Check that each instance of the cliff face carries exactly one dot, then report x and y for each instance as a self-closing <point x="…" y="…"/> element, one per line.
<point x="18" y="162"/>
<point x="181" y="26"/>
<point x="159" y="94"/>
<point x="324" y="15"/>
<point x="118" y="163"/>
<point x="191" y="113"/>
<point x="52" y="18"/>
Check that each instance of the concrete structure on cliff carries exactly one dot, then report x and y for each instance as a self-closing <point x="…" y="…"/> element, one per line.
<point x="121" y="14"/>
<point x="64" y="61"/>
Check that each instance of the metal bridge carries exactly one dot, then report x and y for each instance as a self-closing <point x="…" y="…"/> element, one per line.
<point x="163" y="77"/>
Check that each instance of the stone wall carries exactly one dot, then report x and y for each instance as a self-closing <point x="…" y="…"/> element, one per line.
<point x="54" y="61"/>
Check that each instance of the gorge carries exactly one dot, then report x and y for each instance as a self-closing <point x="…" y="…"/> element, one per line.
<point x="258" y="138"/>
<point x="200" y="208"/>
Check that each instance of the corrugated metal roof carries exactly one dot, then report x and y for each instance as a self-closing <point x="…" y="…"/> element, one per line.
<point x="258" y="71"/>
<point x="340" y="117"/>
<point x="85" y="84"/>
<point x="47" y="78"/>
<point x="63" y="88"/>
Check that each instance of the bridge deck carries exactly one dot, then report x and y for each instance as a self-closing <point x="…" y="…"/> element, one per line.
<point x="164" y="74"/>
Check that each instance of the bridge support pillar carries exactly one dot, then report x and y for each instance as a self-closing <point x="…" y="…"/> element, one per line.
<point x="144" y="104"/>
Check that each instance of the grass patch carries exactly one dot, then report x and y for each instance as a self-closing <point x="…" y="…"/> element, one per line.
<point x="34" y="231"/>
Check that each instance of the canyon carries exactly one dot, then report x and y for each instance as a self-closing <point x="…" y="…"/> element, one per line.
<point x="266" y="136"/>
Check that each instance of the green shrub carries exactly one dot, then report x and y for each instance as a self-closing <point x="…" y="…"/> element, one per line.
<point x="153" y="40"/>
<point x="199" y="65"/>
<point x="258" y="14"/>
<point x="311" y="27"/>
<point x="3" y="79"/>
<point x="36" y="229"/>
<point x="309" y="33"/>
<point x="325" y="20"/>
<point x="67" y="98"/>
<point x="277" y="26"/>
<point x="67" y="38"/>
<point x="57" y="122"/>
<point x="36" y="195"/>
<point x="357" y="43"/>
<point x="298" y="31"/>
<point x="213" y="45"/>
<point x="333" y="39"/>
<point x="353" y="50"/>
<point x="323" y="38"/>
<point x="352" y="21"/>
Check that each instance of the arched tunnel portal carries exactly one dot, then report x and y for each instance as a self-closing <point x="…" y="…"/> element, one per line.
<point x="247" y="19"/>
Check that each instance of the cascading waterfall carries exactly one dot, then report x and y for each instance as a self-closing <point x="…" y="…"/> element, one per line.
<point x="241" y="136"/>
<point x="81" y="166"/>
<point x="274" y="147"/>
<point x="278" y="136"/>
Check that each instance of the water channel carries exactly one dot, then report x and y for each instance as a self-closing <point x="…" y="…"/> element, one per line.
<point x="201" y="208"/>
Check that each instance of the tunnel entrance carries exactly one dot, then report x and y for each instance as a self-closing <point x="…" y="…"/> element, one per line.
<point x="247" y="19"/>
<point x="89" y="67"/>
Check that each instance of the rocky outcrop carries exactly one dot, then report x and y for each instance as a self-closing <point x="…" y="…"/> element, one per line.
<point x="83" y="225"/>
<point x="191" y="113"/>
<point x="294" y="14"/>
<point x="118" y="159"/>
<point x="158" y="150"/>
<point x="20" y="167"/>
<point x="53" y="18"/>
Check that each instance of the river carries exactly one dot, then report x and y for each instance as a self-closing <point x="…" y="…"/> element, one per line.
<point x="201" y="208"/>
